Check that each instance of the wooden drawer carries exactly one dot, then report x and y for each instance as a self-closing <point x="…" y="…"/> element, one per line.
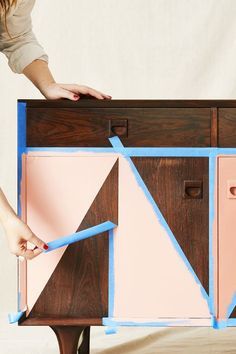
<point x="227" y="127"/>
<point x="135" y="126"/>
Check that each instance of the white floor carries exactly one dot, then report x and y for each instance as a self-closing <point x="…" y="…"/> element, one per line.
<point x="41" y="340"/>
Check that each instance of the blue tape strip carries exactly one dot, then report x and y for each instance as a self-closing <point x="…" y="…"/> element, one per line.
<point x="216" y="324"/>
<point x="70" y="149"/>
<point x="212" y="170"/>
<point x="111" y="330"/>
<point x="231" y="322"/>
<point x="143" y="151"/>
<point x="231" y="306"/>
<point x="111" y="274"/>
<point x="21" y="147"/>
<point x="115" y="141"/>
<point x="14" y="317"/>
<point x="111" y="323"/>
<point x="81" y="235"/>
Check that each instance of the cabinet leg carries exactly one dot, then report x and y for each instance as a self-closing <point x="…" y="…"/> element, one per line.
<point x="68" y="338"/>
<point x="84" y="347"/>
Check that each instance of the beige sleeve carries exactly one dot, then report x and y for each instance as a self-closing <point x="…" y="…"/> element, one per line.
<point x="23" y="48"/>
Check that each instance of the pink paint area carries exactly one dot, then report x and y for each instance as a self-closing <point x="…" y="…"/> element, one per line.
<point x="226" y="235"/>
<point x="57" y="192"/>
<point x="152" y="282"/>
<point x="151" y="279"/>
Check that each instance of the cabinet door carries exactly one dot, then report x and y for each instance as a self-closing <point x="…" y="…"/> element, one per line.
<point x="161" y="244"/>
<point x="226" y="236"/>
<point x="62" y="194"/>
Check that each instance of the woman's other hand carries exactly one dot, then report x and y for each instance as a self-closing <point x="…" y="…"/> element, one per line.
<point x="40" y="75"/>
<point x="71" y="91"/>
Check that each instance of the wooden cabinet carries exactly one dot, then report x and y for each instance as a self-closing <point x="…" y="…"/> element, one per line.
<point x="164" y="172"/>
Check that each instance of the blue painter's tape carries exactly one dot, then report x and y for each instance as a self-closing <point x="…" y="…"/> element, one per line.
<point x="70" y="149"/>
<point x="212" y="170"/>
<point x="111" y="323"/>
<point x="231" y="322"/>
<point x="14" y="317"/>
<point x="219" y="324"/>
<point x="115" y="141"/>
<point x="81" y="235"/>
<point x="111" y="330"/>
<point x="139" y="152"/>
<point x="231" y="306"/>
<point x="21" y="147"/>
<point x="142" y="151"/>
<point x="111" y="274"/>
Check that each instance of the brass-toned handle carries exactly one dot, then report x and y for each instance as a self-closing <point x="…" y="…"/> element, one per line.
<point x="118" y="127"/>
<point x="193" y="189"/>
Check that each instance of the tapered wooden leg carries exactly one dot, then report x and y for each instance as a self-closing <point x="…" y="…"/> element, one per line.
<point x="68" y="338"/>
<point x="84" y="347"/>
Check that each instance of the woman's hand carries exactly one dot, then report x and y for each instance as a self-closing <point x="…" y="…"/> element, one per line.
<point x="18" y="234"/>
<point x="40" y="75"/>
<point x="71" y="91"/>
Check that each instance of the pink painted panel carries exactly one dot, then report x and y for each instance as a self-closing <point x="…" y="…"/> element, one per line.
<point x="151" y="279"/>
<point x="57" y="193"/>
<point x="214" y="239"/>
<point x="226" y="233"/>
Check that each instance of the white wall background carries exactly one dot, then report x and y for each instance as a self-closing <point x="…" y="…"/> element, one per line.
<point x="125" y="48"/>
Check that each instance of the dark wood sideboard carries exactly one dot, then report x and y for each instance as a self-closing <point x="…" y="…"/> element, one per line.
<point x="70" y="305"/>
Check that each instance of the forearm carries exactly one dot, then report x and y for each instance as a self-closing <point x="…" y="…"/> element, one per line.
<point x="6" y="210"/>
<point x="39" y="74"/>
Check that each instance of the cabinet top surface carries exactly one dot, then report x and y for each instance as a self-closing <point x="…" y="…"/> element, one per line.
<point x="85" y="102"/>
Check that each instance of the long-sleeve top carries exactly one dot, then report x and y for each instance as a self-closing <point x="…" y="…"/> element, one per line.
<point x="22" y="47"/>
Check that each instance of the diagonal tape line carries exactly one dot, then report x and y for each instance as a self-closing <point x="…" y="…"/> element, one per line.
<point x="80" y="235"/>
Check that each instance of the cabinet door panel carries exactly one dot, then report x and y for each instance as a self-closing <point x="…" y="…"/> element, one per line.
<point x="62" y="195"/>
<point x="152" y="278"/>
<point x="136" y="126"/>
<point x="226" y="236"/>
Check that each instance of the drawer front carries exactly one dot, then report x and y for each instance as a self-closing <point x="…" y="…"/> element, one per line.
<point x="137" y="127"/>
<point x="227" y="127"/>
